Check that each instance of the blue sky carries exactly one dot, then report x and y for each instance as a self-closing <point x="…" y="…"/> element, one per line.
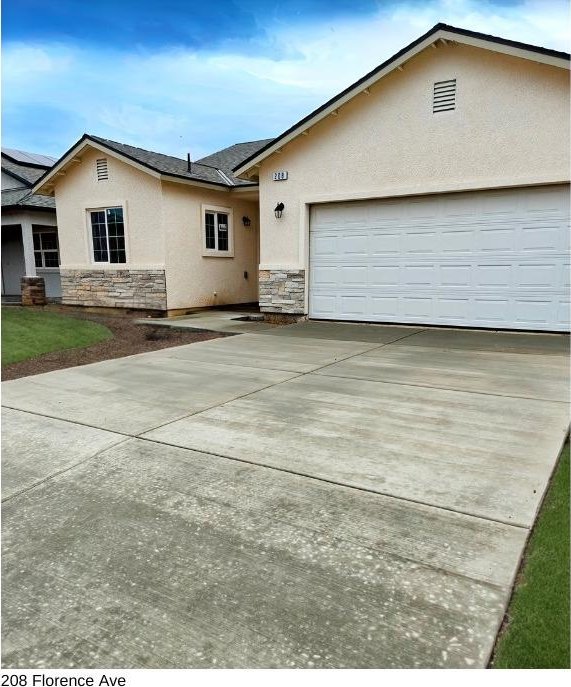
<point x="180" y="75"/>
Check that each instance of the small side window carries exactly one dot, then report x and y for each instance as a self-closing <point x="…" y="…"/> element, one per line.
<point x="217" y="232"/>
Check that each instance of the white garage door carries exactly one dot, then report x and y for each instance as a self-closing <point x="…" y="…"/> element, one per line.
<point x="482" y="259"/>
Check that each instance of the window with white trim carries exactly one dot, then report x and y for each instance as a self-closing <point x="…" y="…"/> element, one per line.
<point x="46" y="249"/>
<point x="217" y="231"/>
<point x="108" y="235"/>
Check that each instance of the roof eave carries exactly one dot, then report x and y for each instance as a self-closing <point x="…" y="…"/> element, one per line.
<point x="435" y="34"/>
<point x="41" y="185"/>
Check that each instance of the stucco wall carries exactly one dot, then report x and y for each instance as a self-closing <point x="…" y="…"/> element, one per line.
<point x="192" y="279"/>
<point x="138" y="193"/>
<point x="510" y="127"/>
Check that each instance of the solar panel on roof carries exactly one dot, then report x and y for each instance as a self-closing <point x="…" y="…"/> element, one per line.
<point x="30" y="158"/>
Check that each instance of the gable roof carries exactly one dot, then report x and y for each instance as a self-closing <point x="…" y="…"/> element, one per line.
<point x="213" y="170"/>
<point x="439" y="32"/>
<point x="24" y="172"/>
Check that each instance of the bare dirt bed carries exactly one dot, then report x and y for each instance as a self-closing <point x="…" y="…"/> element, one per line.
<point x="129" y="338"/>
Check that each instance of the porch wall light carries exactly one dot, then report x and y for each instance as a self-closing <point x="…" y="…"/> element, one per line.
<point x="278" y="210"/>
<point x="246" y="221"/>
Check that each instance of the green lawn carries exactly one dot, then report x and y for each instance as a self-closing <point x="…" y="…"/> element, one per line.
<point x="537" y="635"/>
<point x="30" y="333"/>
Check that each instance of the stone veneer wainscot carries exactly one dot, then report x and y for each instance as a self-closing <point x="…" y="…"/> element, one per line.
<point x="282" y="291"/>
<point x="115" y="288"/>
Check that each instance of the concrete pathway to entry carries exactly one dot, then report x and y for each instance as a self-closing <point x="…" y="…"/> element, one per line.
<point x="319" y="495"/>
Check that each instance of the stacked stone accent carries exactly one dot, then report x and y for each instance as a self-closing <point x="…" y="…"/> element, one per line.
<point x="33" y="290"/>
<point x="282" y="291"/>
<point x="138" y="289"/>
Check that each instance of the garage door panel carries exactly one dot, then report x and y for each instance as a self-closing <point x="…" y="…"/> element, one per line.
<point x="546" y="200"/>
<point x="486" y="259"/>
<point x="535" y="311"/>
<point x="564" y="312"/>
<point x="384" y="307"/>
<point x="356" y="244"/>
<point x="497" y="276"/>
<point x="385" y="243"/>
<point x="420" y="242"/>
<point x="541" y="238"/>
<point x="384" y="275"/>
<point x="456" y="275"/>
<point x="354" y="275"/>
<point x="418" y="275"/>
<point x="353" y="305"/>
<point x="452" y="309"/>
<point x="325" y="276"/>
<point x="458" y="240"/>
<point x="537" y="275"/>
<point x="496" y="239"/>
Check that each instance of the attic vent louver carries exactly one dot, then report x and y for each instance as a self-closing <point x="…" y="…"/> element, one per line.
<point x="102" y="172"/>
<point x="444" y="96"/>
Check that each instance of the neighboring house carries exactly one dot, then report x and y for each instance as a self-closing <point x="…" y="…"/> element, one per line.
<point x="435" y="190"/>
<point x="139" y="229"/>
<point x="29" y="227"/>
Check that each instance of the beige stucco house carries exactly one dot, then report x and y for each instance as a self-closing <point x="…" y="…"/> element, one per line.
<point x="435" y="190"/>
<point x="149" y="231"/>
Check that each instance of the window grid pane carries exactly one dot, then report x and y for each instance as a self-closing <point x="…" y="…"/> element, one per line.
<point x="51" y="258"/>
<point x="116" y="235"/>
<point x="98" y="234"/>
<point x="222" y="231"/>
<point x="46" y="249"/>
<point x="210" y="236"/>
<point x="48" y="240"/>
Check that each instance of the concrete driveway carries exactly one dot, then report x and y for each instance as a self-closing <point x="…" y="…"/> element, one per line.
<point x="318" y="495"/>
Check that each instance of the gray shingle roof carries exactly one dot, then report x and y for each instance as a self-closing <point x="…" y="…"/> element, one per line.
<point x="228" y="158"/>
<point x="23" y="171"/>
<point x="213" y="169"/>
<point x="22" y="198"/>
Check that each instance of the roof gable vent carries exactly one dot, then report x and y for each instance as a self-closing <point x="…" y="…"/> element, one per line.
<point x="102" y="171"/>
<point x="444" y="96"/>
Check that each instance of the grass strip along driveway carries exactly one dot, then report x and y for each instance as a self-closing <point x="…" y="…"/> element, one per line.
<point x="537" y="630"/>
<point x="30" y="333"/>
<point x="37" y="340"/>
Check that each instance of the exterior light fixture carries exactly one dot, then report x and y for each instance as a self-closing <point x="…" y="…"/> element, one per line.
<point x="278" y="210"/>
<point x="246" y="221"/>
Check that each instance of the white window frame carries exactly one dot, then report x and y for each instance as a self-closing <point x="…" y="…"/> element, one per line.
<point x="214" y="252"/>
<point x="46" y="230"/>
<point x="88" y="211"/>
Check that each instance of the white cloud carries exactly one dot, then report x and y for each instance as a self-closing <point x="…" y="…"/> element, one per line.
<point x="176" y="100"/>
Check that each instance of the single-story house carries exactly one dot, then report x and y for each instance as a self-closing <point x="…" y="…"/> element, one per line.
<point x="434" y="190"/>
<point x="29" y="225"/>
<point x="143" y="230"/>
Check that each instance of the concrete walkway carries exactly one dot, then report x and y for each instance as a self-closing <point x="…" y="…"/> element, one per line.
<point x="318" y="495"/>
<point x="225" y="321"/>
